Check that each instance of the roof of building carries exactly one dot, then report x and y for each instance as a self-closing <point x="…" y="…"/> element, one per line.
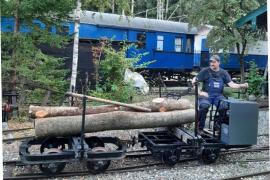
<point x="114" y="20"/>
<point x="257" y="17"/>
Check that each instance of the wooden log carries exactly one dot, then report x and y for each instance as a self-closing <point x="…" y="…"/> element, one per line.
<point x="52" y="111"/>
<point x="118" y="120"/>
<point x="110" y="102"/>
<point x="164" y="104"/>
<point x="156" y="105"/>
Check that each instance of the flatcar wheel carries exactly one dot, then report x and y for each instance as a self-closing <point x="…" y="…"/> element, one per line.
<point x="94" y="142"/>
<point x="96" y="167"/>
<point x="52" y="168"/>
<point x="170" y="158"/>
<point x="51" y="143"/>
<point x="210" y="155"/>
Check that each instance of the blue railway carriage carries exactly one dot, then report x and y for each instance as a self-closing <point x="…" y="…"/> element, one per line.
<point x="170" y="45"/>
<point x="175" y="48"/>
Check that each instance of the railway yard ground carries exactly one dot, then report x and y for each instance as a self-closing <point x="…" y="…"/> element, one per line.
<point x="228" y="165"/>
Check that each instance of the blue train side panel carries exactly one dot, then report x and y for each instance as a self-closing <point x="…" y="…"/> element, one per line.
<point x="232" y="62"/>
<point x="88" y="31"/>
<point x="172" y="60"/>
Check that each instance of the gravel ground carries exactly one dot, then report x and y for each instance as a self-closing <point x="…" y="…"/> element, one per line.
<point x="180" y="171"/>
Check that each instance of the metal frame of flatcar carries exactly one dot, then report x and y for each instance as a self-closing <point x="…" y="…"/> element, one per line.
<point x="77" y="148"/>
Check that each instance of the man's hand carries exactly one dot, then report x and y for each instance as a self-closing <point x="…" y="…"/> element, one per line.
<point x="204" y="94"/>
<point x="245" y="85"/>
<point x="193" y="81"/>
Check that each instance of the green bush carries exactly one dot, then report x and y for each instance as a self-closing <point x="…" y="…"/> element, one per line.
<point x="254" y="79"/>
<point x="111" y="71"/>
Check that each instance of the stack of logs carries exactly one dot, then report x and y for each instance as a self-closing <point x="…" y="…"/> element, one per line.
<point x="66" y="121"/>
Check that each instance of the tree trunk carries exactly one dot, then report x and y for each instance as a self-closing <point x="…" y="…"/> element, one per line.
<point x="120" y="120"/>
<point x="242" y="69"/>
<point x="46" y="98"/>
<point x="157" y="105"/>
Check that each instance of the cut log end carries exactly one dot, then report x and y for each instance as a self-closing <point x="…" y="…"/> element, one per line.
<point x="41" y="114"/>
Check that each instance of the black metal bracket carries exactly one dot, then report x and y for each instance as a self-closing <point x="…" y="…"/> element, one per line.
<point x="83" y="126"/>
<point x="72" y="98"/>
<point x="160" y="82"/>
<point x="196" y="109"/>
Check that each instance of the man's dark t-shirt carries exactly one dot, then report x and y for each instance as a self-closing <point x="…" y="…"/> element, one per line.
<point x="205" y="74"/>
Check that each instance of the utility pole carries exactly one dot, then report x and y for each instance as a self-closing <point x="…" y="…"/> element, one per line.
<point x="167" y="9"/>
<point x="132" y="7"/>
<point x="113" y="6"/>
<point x="160" y="9"/>
<point x="75" y="47"/>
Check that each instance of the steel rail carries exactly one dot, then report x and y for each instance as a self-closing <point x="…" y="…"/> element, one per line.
<point x="129" y="169"/>
<point x="17" y="139"/>
<point x="15" y="130"/>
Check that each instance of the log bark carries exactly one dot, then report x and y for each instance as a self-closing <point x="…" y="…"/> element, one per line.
<point x="163" y="104"/>
<point x="52" y="111"/>
<point x="119" y="120"/>
<point x="156" y="105"/>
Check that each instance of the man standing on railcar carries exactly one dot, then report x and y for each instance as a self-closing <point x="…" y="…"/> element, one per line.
<point x="213" y="78"/>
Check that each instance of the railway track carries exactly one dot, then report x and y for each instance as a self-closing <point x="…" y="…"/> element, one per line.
<point x="9" y="140"/>
<point x="159" y="166"/>
<point x="16" y="130"/>
<point x="143" y="167"/>
<point x="11" y="131"/>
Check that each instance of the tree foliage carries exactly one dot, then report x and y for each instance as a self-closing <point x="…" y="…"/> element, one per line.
<point x="222" y="15"/>
<point x="255" y="80"/>
<point x="25" y="68"/>
<point x="109" y="6"/>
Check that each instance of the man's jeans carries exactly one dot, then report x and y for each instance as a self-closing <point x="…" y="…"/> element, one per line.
<point x="205" y="103"/>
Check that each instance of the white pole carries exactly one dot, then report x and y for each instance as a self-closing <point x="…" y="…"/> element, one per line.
<point x="75" y="47"/>
<point x="132" y="7"/>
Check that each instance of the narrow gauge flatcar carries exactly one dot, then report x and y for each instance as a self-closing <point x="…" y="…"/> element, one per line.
<point x="238" y="128"/>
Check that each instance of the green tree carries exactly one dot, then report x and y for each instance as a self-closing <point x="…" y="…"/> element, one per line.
<point x="109" y="6"/>
<point x="111" y="84"/>
<point x="25" y="68"/>
<point x="222" y="15"/>
<point x="255" y="80"/>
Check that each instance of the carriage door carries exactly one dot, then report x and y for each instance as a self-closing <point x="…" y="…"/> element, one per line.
<point x="204" y="54"/>
<point x="204" y="58"/>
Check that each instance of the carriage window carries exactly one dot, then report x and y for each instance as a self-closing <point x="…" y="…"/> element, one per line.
<point x="160" y="43"/>
<point x="188" y="46"/>
<point x="178" y="44"/>
<point x="141" y="38"/>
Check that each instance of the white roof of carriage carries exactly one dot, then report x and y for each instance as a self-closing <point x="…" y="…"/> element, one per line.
<point x="114" y="20"/>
